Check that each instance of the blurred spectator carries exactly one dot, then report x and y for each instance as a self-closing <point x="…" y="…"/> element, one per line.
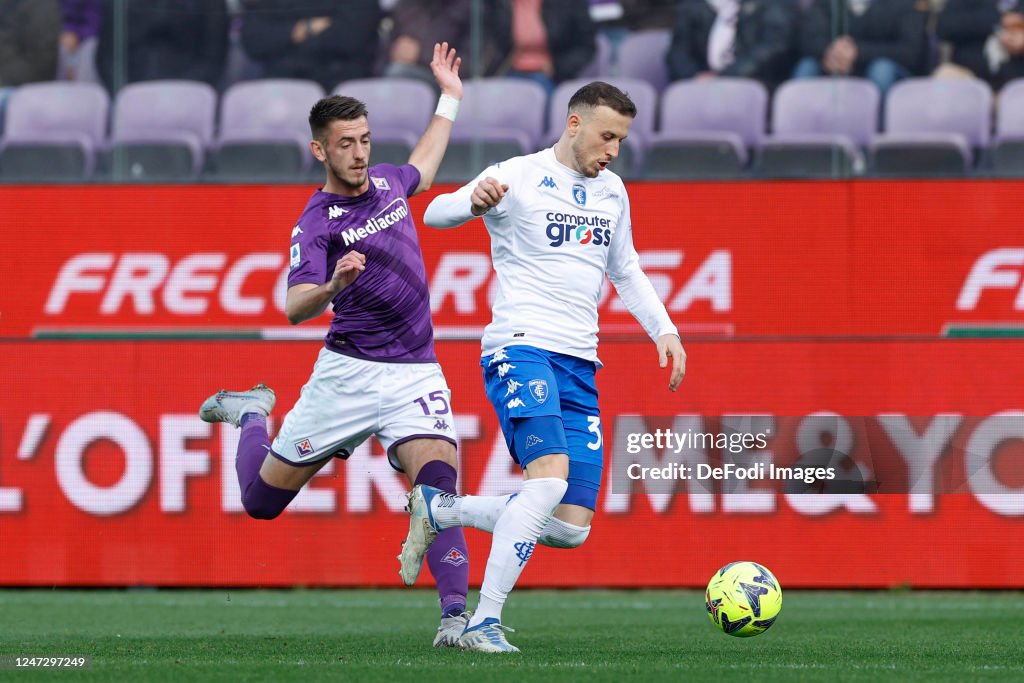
<point x="157" y="39"/>
<point x="882" y="40"/>
<point x="987" y="38"/>
<point x="743" y="38"/>
<point x="29" y="31"/>
<point x="81" y="24"/>
<point x="547" y="41"/>
<point x="647" y="15"/>
<point x="323" y="40"/>
<point x="418" y="24"/>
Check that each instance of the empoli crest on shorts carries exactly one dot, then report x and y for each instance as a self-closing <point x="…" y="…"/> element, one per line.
<point x="538" y="389"/>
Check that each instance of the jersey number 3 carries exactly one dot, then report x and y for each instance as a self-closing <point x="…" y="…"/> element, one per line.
<point x="595" y="427"/>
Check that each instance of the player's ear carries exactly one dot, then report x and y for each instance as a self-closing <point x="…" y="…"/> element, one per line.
<point x="573" y="123"/>
<point x="318" y="150"/>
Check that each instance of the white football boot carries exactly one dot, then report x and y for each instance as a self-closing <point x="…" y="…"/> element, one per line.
<point x="488" y="636"/>
<point x="422" y="533"/>
<point x="229" y="406"/>
<point x="450" y="629"/>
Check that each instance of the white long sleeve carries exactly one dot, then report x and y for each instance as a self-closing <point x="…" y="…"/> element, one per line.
<point x="455" y="208"/>
<point x="450" y="210"/>
<point x="632" y="284"/>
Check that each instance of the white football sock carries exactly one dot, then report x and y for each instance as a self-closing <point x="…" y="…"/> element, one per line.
<point x="482" y="512"/>
<point x="478" y="512"/>
<point x="515" y="535"/>
<point x="559" y="534"/>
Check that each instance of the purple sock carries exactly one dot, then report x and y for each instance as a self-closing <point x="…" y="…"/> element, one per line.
<point x="260" y="499"/>
<point x="447" y="558"/>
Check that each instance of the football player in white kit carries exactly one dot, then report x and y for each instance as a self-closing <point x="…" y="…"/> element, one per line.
<point x="559" y="222"/>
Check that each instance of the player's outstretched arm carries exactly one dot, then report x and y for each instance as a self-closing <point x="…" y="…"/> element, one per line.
<point x="468" y="202"/>
<point x="430" y="149"/>
<point x="306" y="301"/>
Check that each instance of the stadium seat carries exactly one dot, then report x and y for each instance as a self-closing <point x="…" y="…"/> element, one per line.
<point x="399" y="111"/>
<point x="707" y="128"/>
<point x="264" y="135"/>
<point x="820" y="127"/>
<point x="600" y="66"/>
<point x="933" y="127"/>
<point x="488" y="129"/>
<point x="161" y="130"/>
<point x="1008" y="147"/>
<point x="642" y="55"/>
<point x="52" y="131"/>
<point x="631" y="153"/>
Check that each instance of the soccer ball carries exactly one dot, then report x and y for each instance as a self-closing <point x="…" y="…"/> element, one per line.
<point x="743" y="599"/>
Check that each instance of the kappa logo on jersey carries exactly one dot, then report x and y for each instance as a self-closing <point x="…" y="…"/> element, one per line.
<point x="297" y="230"/>
<point x="381" y="183"/>
<point x="569" y="227"/>
<point x="391" y="214"/>
<point x="304" y="447"/>
<point x="579" y="193"/>
<point x="441" y="425"/>
<point x="455" y="557"/>
<point x="504" y="368"/>
<point x="533" y="440"/>
<point x="539" y="389"/>
<point x="335" y="212"/>
<point x="516" y="403"/>
<point x="296" y="255"/>
<point x="499" y="355"/>
<point x="548" y="182"/>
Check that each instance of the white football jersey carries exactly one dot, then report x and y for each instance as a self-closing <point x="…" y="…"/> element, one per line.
<point x="554" y="235"/>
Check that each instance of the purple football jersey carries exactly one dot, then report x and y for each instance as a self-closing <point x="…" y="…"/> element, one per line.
<point x="385" y="314"/>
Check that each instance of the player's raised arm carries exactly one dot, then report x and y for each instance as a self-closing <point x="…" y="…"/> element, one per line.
<point x="430" y="149"/>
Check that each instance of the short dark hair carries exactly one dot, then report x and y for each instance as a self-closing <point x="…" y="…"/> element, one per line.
<point x="333" y="108"/>
<point x="599" y="94"/>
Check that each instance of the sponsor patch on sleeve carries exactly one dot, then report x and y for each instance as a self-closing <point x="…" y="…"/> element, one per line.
<point x="296" y="255"/>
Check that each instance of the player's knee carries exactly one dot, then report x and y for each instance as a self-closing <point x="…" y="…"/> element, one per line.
<point x="263" y="501"/>
<point x="559" y="534"/>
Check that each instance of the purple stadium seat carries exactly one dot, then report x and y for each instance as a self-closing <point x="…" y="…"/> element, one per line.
<point x="707" y="128"/>
<point x="600" y="65"/>
<point x="485" y="111"/>
<point x="1008" y="146"/>
<point x="820" y="126"/>
<point x="53" y="130"/>
<point x="933" y="126"/>
<point x="642" y="55"/>
<point x="489" y="129"/>
<point x="161" y="129"/>
<point x="393" y="103"/>
<point x="264" y="130"/>
<point x="643" y="95"/>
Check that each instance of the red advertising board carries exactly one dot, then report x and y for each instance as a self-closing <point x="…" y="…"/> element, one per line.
<point x="782" y="258"/>
<point x="108" y="477"/>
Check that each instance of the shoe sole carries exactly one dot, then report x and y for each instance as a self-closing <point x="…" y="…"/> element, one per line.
<point x="421" y="534"/>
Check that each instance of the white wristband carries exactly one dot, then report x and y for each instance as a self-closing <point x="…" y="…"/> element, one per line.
<point x="447" y="107"/>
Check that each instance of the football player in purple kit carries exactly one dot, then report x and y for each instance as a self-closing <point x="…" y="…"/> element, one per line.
<point x="355" y="247"/>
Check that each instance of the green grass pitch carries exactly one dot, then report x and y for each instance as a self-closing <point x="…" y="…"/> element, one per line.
<point x="385" y="635"/>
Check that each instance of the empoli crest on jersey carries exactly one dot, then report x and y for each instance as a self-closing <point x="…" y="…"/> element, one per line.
<point x="579" y="193"/>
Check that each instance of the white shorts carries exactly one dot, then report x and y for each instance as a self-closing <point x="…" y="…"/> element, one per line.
<point x="348" y="399"/>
